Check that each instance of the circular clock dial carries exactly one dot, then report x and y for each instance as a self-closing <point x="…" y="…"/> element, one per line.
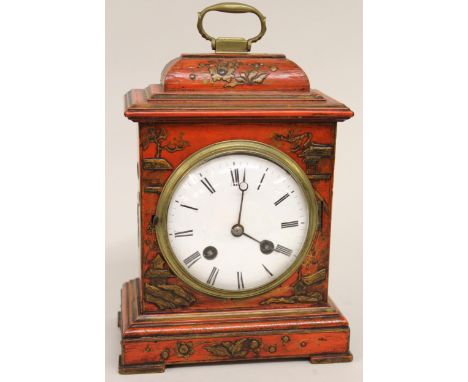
<point x="237" y="222"/>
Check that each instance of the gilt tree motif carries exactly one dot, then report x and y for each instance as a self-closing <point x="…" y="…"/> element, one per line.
<point x="158" y="136"/>
<point x="300" y="143"/>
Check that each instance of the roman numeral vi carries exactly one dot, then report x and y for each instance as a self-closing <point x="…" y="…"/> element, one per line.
<point x="240" y="281"/>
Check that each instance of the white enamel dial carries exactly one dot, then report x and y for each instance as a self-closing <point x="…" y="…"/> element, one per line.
<point x="225" y="246"/>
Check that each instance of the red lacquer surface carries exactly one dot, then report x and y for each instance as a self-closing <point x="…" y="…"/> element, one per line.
<point x="205" y="99"/>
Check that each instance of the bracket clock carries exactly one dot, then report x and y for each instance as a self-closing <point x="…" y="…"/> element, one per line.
<point x="236" y="175"/>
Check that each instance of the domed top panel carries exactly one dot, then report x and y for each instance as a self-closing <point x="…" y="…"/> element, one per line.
<point x="232" y="84"/>
<point x="234" y="73"/>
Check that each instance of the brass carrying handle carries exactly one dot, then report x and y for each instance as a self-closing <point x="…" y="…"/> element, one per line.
<point x="231" y="44"/>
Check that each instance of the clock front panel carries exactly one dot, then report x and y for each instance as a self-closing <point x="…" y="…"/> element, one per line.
<point x="237" y="223"/>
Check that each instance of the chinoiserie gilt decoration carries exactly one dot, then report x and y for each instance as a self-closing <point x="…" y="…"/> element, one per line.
<point x="236" y="159"/>
<point x="162" y="294"/>
<point x="184" y="349"/>
<point x="311" y="153"/>
<point x="235" y="349"/>
<point x="302" y="291"/>
<point x="158" y="137"/>
<point x="227" y="71"/>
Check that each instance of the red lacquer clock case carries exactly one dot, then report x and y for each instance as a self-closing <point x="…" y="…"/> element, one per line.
<point x="204" y="99"/>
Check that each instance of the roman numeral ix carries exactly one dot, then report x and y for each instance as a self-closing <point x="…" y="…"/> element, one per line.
<point x="192" y="259"/>
<point x="184" y="233"/>
<point x="294" y="223"/>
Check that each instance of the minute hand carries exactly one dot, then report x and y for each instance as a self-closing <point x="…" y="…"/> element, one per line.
<point x="243" y="186"/>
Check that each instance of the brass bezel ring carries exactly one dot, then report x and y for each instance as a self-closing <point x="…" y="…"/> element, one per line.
<point x="204" y="155"/>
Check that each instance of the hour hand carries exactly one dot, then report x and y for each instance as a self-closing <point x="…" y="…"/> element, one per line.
<point x="266" y="246"/>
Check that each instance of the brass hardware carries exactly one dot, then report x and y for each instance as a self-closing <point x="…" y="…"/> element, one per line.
<point x="303" y="344"/>
<point x="285" y="339"/>
<point x="272" y="349"/>
<point x="231" y="44"/>
<point x="213" y="151"/>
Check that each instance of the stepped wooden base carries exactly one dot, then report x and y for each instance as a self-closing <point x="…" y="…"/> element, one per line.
<point x="151" y="342"/>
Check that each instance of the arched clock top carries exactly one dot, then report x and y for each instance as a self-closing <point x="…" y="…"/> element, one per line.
<point x="234" y="73"/>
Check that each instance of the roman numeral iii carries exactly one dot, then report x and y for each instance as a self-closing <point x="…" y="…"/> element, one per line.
<point x="294" y="223"/>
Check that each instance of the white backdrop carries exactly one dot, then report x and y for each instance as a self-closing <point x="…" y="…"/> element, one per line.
<point x="325" y="39"/>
